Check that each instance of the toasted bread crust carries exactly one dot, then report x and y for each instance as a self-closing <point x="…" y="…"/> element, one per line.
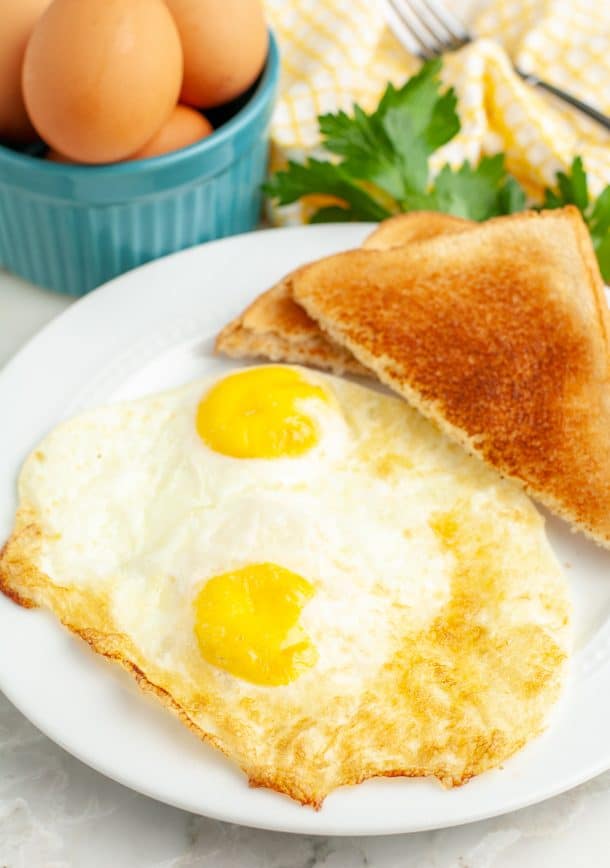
<point x="415" y="226"/>
<point x="500" y="337"/>
<point x="276" y="328"/>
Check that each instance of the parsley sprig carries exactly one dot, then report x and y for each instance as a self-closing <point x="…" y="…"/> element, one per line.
<point x="572" y="188"/>
<point x="379" y="165"/>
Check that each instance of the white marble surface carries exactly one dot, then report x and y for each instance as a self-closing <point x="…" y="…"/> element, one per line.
<point x="57" y="813"/>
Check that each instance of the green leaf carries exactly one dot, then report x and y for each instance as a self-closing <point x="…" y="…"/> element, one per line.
<point x="600" y="216"/>
<point x="599" y="226"/>
<point x="580" y="190"/>
<point x="511" y="197"/>
<point x="418" y="95"/>
<point x="475" y="193"/>
<point x="552" y="200"/>
<point x="332" y="214"/>
<point x="572" y="188"/>
<point x="320" y="176"/>
<point x="602" y="249"/>
<point x="410" y="153"/>
<point x="420" y="202"/>
<point x="444" y="121"/>
<point x="344" y="135"/>
<point x="362" y="142"/>
<point x="565" y="188"/>
<point x="390" y="147"/>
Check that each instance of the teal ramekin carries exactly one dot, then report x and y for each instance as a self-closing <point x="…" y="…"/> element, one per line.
<point x="70" y="228"/>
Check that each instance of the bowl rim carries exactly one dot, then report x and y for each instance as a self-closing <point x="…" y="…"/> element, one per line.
<point x="240" y="121"/>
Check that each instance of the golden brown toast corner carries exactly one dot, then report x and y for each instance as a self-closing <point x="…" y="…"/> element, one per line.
<point x="276" y="328"/>
<point x="414" y="226"/>
<point x="501" y="337"/>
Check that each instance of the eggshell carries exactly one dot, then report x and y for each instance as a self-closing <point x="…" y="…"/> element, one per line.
<point x="225" y="46"/>
<point x="185" y="126"/>
<point x="17" y="20"/>
<point x="100" y="77"/>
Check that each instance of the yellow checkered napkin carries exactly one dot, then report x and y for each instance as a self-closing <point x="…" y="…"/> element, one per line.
<point x="337" y="52"/>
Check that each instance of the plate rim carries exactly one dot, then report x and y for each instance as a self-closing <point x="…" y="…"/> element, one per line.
<point x="251" y="819"/>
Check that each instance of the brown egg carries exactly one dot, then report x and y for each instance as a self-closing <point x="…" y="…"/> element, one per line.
<point x="224" y="44"/>
<point x="17" y="20"/>
<point x="100" y="77"/>
<point x="185" y="126"/>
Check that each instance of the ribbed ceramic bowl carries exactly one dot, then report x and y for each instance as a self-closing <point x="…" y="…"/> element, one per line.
<point x="70" y="228"/>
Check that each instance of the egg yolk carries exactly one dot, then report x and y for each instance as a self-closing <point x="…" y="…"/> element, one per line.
<point x="246" y="622"/>
<point x="256" y="414"/>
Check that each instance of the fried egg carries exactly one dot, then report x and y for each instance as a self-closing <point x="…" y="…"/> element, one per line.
<point x="307" y="571"/>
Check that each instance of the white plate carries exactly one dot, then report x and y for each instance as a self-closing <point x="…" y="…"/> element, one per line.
<point x="153" y="328"/>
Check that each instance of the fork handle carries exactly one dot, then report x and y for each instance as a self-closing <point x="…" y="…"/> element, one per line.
<point x="588" y="110"/>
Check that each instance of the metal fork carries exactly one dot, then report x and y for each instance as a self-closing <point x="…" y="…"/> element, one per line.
<point x="427" y="29"/>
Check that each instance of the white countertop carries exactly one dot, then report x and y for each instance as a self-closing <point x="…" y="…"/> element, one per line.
<point x="57" y="813"/>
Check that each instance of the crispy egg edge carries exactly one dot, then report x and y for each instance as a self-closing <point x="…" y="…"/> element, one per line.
<point x="26" y="585"/>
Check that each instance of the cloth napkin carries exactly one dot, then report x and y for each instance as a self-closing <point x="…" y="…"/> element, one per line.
<point x="337" y="52"/>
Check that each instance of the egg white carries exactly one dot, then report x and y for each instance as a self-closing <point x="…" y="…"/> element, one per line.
<point x="146" y="509"/>
<point x="440" y="617"/>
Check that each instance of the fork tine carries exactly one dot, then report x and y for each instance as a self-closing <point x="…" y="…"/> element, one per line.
<point x="415" y="11"/>
<point x="405" y="33"/>
<point x="448" y="20"/>
<point x="442" y="36"/>
<point x="406" y="21"/>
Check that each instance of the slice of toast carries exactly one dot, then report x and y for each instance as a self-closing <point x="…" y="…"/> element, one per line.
<point x="276" y="328"/>
<point x="415" y="226"/>
<point x="500" y="336"/>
